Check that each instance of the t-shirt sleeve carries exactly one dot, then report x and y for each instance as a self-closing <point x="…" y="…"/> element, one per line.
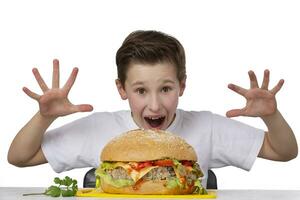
<point x="65" y="148"/>
<point x="234" y="143"/>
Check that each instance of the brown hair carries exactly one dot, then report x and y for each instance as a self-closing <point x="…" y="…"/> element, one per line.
<point x="150" y="47"/>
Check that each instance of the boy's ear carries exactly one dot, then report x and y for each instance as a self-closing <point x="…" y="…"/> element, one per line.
<point x="182" y="86"/>
<point x="121" y="89"/>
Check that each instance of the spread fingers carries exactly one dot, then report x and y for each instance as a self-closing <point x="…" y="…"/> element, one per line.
<point x="67" y="87"/>
<point x="253" y="79"/>
<point x="31" y="94"/>
<point x="40" y="80"/>
<point x="55" y="76"/>
<point x="277" y="87"/>
<point x="266" y="80"/>
<point x="237" y="89"/>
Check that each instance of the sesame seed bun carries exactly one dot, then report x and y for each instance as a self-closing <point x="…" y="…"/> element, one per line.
<point x="146" y="145"/>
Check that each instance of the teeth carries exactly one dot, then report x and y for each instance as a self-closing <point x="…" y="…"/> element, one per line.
<point x="153" y="118"/>
<point x="155" y="121"/>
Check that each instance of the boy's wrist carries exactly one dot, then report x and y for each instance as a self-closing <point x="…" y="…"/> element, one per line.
<point x="271" y="117"/>
<point x="45" y="119"/>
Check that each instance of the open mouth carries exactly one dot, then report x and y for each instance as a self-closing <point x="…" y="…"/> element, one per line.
<point x="155" y="122"/>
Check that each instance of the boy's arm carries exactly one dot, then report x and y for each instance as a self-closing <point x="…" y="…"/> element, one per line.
<point x="279" y="141"/>
<point x="25" y="150"/>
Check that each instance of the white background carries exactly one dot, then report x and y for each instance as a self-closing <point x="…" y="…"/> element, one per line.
<point x="222" y="39"/>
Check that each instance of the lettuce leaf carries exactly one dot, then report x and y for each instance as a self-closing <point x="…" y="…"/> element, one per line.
<point x="174" y="182"/>
<point x="100" y="173"/>
<point x="199" y="188"/>
<point x="107" y="165"/>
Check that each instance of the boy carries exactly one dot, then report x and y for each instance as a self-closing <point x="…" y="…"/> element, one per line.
<point x="151" y="75"/>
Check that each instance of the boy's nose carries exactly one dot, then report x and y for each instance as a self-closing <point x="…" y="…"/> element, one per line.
<point x="154" y="104"/>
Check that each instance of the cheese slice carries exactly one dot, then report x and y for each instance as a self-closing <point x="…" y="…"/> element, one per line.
<point x="134" y="174"/>
<point x="176" y="172"/>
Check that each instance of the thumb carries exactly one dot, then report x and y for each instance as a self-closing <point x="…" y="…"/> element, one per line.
<point x="84" y="108"/>
<point x="234" y="113"/>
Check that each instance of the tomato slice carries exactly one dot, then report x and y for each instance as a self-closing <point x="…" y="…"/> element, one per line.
<point x="187" y="163"/>
<point x="164" y="163"/>
<point x="142" y="165"/>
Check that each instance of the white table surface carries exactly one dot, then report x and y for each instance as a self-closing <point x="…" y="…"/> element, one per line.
<point x="15" y="193"/>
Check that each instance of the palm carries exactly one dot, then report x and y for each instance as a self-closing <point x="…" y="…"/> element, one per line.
<point x="260" y="100"/>
<point x="54" y="102"/>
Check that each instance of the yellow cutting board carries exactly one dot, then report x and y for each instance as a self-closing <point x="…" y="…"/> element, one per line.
<point x="98" y="193"/>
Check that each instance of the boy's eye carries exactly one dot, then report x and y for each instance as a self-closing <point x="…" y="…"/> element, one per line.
<point x="166" y="89"/>
<point x="140" y="91"/>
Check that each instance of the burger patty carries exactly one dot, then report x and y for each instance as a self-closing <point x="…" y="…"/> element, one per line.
<point x="159" y="173"/>
<point x="118" y="173"/>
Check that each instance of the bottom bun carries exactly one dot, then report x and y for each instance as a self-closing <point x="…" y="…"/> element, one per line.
<point x="147" y="187"/>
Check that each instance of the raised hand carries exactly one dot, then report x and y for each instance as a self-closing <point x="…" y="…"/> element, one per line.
<point x="260" y="100"/>
<point x="54" y="101"/>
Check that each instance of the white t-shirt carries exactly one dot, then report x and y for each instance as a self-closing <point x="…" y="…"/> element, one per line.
<point x="217" y="140"/>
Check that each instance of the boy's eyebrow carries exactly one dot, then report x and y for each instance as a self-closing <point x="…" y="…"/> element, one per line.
<point x="137" y="83"/>
<point x="142" y="83"/>
<point x="168" y="81"/>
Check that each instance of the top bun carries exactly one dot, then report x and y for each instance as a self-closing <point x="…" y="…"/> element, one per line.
<point x="145" y="145"/>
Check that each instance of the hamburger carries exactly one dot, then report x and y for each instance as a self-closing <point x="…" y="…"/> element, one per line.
<point x="149" y="162"/>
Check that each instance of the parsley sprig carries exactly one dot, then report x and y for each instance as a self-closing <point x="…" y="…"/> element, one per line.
<point x="66" y="187"/>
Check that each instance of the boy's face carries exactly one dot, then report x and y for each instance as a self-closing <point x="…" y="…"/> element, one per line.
<point x="153" y="92"/>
